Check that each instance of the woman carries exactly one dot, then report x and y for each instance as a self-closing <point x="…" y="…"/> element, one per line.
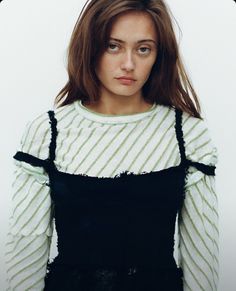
<point x="123" y="162"/>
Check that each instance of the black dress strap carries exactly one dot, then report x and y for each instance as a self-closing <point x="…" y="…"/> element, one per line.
<point x="30" y="159"/>
<point x="179" y="134"/>
<point x="52" y="145"/>
<point x="35" y="161"/>
<point x="206" y="169"/>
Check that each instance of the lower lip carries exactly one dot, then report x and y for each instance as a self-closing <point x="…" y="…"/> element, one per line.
<point x="126" y="82"/>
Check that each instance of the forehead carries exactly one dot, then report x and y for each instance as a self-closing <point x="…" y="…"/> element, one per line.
<point x="133" y="25"/>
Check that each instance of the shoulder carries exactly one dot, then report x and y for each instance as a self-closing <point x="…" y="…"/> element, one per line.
<point x="199" y="145"/>
<point x="34" y="133"/>
<point x="36" y="137"/>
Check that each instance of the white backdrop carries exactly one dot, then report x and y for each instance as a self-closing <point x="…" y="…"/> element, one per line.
<point x="34" y="36"/>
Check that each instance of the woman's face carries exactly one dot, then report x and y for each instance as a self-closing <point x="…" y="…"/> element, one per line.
<point x="131" y="52"/>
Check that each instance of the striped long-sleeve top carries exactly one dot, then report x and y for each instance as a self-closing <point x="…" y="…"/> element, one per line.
<point x="105" y="145"/>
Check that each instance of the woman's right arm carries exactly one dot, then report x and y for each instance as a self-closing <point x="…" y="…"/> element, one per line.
<point x="31" y="220"/>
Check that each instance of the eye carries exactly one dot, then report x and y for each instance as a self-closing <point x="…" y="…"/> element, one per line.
<point x="113" y="48"/>
<point x="145" y="48"/>
<point x="112" y="45"/>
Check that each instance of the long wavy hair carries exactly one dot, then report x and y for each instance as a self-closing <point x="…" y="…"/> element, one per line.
<point x="168" y="83"/>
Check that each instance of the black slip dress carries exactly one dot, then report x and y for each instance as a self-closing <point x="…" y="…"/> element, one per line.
<point x="116" y="233"/>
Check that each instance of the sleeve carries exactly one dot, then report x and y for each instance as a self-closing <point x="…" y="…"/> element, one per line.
<point x="30" y="223"/>
<point x="198" y="220"/>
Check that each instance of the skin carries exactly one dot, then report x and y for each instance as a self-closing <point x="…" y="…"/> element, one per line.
<point x="130" y="59"/>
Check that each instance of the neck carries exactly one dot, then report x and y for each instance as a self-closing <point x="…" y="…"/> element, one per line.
<point x="119" y="107"/>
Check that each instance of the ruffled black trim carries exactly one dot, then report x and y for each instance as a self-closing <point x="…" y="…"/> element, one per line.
<point x="30" y="159"/>
<point x="48" y="163"/>
<point x="100" y="278"/>
<point x="206" y="169"/>
<point x="49" y="270"/>
<point x="179" y="134"/>
<point x="52" y="146"/>
<point x="181" y="143"/>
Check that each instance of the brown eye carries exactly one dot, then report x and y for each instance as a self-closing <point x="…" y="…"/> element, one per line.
<point x="111" y="47"/>
<point x="146" y="50"/>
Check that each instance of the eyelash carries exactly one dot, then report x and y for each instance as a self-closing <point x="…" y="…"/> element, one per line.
<point x="113" y="44"/>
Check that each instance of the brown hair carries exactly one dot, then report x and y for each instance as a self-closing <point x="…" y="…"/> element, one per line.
<point x="168" y="83"/>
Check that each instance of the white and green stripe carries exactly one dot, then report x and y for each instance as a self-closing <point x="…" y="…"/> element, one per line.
<point x="89" y="143"/>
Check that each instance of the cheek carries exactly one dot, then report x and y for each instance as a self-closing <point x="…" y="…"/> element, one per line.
<point x="145" y="69"/>
<point x="108" y="65"/>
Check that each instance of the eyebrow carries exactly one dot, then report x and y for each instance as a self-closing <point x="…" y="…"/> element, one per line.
<point x="139" y="41"/>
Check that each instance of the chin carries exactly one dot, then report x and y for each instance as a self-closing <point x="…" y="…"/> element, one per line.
<point x="122" y="93"/>
<point x="126" y="90"/>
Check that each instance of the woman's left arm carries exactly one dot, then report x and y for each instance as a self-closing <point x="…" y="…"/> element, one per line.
<point x="198" y="251"/>
<point x="199" y="236"/>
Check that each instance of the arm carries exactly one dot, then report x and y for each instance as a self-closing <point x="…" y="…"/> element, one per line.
<point x="30" y="231"/>
<point x="30" y="223"/>
<point x="198" y="220"/>
<point x="199" y="235"/>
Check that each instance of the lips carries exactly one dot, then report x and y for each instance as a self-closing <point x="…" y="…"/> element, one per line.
<point x="126" y="78"/>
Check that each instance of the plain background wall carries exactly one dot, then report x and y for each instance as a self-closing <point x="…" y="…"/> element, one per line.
<point x="34" y="36"/>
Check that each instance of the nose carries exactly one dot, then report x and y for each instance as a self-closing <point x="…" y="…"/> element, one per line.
<point x="127" y="62"/>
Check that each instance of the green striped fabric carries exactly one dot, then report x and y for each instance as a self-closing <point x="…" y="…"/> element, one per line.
<point x="104" y="145"/>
